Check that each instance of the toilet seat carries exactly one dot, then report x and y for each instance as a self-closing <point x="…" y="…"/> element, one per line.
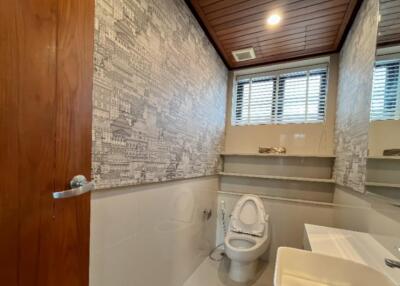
<point x="247" y="238"/>
<point x="248" y="217"/>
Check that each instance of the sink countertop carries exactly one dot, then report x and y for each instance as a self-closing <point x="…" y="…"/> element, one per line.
<point x="352" y="245"/>
<point x="297" y="267"/>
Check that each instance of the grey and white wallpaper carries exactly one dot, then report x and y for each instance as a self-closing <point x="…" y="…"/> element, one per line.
<point x="353" y="103"/>
<point x="159" y="94"/>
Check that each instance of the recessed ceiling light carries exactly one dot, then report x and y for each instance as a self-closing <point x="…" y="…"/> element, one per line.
<point x="273" y="19"/>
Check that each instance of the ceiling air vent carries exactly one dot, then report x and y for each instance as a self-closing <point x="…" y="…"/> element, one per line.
<point x="244" y="55"/>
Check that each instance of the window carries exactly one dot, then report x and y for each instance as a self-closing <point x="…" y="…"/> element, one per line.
<point x="385" y="102"/>
<point x="293" y="97"/>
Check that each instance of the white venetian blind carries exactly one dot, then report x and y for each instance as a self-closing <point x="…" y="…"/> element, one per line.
<point x="291" y="97"/>
<point x="385" y="101"/>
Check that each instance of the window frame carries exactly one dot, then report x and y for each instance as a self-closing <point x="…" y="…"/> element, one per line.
<point x="278" y="95"/>
<point x="383" y="62"/>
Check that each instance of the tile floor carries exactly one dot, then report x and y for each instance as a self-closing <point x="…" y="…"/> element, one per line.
<point x="212" y="273"/>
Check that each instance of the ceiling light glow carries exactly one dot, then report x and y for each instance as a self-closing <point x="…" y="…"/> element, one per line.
<point x="274" y="19"/>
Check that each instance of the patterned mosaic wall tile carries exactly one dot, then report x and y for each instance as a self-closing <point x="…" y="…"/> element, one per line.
<point x="354" y="92"/>
<point x="159" y="94"/>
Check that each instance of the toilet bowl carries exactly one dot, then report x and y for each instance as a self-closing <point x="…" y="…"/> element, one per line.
<point x="247" y="238"/>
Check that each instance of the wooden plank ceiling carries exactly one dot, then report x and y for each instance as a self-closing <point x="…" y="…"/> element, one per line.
<point x="308" y="27"/>
<point x="389" y="25"/>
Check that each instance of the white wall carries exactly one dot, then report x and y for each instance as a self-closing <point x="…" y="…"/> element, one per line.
<point x="297" y="138"/>
<point x="383" y="135"/>
<point x="152" y="234"/>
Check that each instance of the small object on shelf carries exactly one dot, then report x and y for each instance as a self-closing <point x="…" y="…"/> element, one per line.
<point x="391" y="152"/>
<point x="272" y="150"/>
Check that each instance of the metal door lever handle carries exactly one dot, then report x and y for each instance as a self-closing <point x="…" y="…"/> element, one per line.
<point x="392" y="263"/>
<point x="79" y="186"/>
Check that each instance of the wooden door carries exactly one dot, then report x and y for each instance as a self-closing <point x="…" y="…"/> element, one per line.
<point x="46" y="51"/>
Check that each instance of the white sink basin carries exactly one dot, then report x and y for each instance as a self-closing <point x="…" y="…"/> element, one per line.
<point x="296" y="267"/>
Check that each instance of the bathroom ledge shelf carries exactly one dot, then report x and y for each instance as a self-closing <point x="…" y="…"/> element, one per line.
<point x="277" y="155"/>
<point x="378" y="184"/>
<point x="283" y="178"/>
<point x="383" y="157"/>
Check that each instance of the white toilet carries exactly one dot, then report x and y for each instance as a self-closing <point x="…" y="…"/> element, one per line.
<point x="247" y="238"/>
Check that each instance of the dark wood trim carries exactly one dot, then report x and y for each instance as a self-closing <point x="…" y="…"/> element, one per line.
<point x="349" y="25"/>
<point x="217" y="48"/>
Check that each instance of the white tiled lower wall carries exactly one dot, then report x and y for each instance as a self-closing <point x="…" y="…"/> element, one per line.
<point x="153" y="234"/>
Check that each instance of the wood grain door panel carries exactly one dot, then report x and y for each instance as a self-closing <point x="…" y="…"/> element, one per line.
<point x="73" y="139"/>
<point x="28" y="66"/>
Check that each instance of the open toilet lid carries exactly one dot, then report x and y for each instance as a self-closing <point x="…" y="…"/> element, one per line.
<point x="248" y="216"/>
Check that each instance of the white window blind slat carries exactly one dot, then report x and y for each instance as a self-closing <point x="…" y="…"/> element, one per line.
<point x="385" y="100"/>
<point x="291" y="97"/>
